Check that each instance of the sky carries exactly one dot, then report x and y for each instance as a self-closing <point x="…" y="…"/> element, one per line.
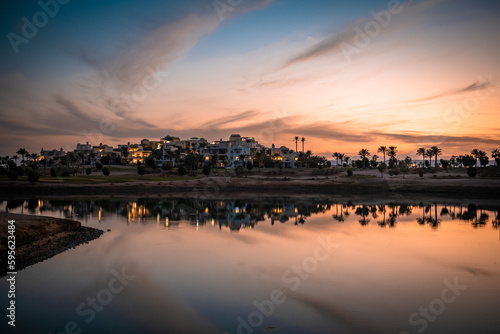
<point x="344" y="75"/>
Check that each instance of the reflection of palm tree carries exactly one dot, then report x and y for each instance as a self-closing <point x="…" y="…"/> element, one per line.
<point x="340" y="218"/>
<point x="434" y="221"/>
<point x="381" y="208"/>
<point x="392" y="215"/>
<point x="363" y="212"/>
<point x="496" y="222"/>
<point x="303" y="141"/>
<point x="422" y="220"/>
<point x="296" y="141"/>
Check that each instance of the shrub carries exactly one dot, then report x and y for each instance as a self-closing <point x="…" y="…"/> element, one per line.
<point x="141" y="170"/>
<point x="20" y="171"/>
<point x="33" y="176"/>
<point x="99" y="166"/>
<point x="349" y="172"/>
<point x="421" y="173"/>
<point x="182" y="170"/>
<point x="166" y="166"/>
<point x="394" y="171"/>
<point x="207" y="169"/>
<point x="88" y="171"/>
<point x="239" y="170"/>
<point x="12" y="175"/>
<point x="53" y="172"/>
<point x="249" y="165"/>
<point x="106" y="171"/>
<point x="106" y="160"/>
<point x="150" y="162"/>
<point x="472" y="171"/>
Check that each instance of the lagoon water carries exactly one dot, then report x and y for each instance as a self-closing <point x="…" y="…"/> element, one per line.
<point x="266" y="265"/>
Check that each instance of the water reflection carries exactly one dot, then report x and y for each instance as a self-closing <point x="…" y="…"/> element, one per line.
<point x="238" y="214"/>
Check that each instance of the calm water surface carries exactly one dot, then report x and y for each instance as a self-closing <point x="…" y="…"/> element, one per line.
<point x="269" y="265"/>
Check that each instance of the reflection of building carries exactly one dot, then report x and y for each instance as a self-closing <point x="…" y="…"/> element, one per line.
<point x="136" y="211"/>
<point x="283" y="213"/>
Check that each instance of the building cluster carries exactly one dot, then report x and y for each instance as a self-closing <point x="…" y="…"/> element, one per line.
<point x="234" y="152"/>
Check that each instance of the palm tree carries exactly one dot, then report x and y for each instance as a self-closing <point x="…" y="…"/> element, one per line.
<point x="336" y="155"/>
<point x="382" y="149"/>
<point x="475" y="154"/>
<point x="436" y="151"/>
<point x="341" y="157"/>
<point x="363" y="153"/>
<point x="483" y="158"/>
<point x="421" y="151"/>
<point x="346" y="159"/>
<point x="429" y="153"/>
<point x="22" y="152"/>
<point x="393" y="151"/>
<point x="296" y="141"/>
<point x="495" y="154"/>
<point x="303" y="140"/>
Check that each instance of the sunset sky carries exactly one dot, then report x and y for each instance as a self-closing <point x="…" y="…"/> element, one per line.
<point x="421" y="73"/>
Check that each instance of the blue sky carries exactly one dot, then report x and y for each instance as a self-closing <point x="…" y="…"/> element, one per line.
<point x="266" y="63"/>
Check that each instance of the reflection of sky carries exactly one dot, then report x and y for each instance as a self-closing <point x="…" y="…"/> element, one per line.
<point x="266" y="60"/>
<point x="202" y="279"/>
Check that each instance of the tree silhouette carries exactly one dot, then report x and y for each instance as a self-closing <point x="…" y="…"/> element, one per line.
<point x="436" y="151"/>
<point x="346" y="159"/>
<point x="483" y="158"/>
<point x="475" y="154"/>
<point x="393" y="151"/>
<point x="336" y="155"/>
<point x="383" y="150"/>
<point x="23" y="152"/>
<point x="495" y="154"/>
<point x="363" y="153"/>
<point x="429" y="152"/>
<point x="421" y="151"/>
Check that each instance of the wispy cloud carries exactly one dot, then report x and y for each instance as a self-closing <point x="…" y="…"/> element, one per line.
<point x="476" y="86"/>
<point x="333" y="41"/>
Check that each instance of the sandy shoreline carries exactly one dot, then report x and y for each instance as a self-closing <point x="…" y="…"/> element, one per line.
<point x="38" y="238"/>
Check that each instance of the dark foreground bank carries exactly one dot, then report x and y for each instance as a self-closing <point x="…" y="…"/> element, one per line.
<point x="38" y="238"/>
